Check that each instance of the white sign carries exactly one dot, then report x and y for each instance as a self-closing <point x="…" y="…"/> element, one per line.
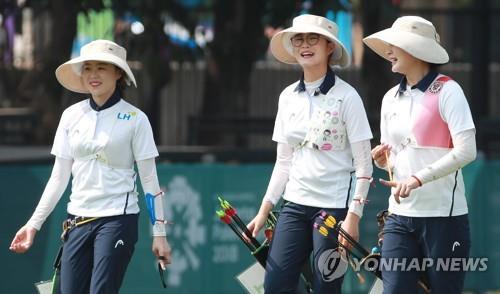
<point x="252" y="279"/>
<point x="44" y="287"/>
<point x="377" y="287"/>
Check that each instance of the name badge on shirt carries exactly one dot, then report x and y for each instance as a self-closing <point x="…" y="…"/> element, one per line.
<point x="326" y="131"/>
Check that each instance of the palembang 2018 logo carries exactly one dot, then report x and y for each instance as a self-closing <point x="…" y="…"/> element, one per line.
<point x="183" y="204"/>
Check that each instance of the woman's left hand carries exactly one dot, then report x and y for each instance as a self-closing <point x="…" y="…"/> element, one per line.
<point x="351" y="226"/>
<point x="162" y="250"/>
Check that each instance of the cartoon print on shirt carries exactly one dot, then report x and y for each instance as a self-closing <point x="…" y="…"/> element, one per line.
<point x="325" y="122"/>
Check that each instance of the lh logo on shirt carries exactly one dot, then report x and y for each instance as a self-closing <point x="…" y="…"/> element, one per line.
<point x="126" y="116"/>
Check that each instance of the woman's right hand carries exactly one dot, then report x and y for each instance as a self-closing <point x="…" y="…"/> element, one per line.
<point x="256" y="224"/>
<point x="260" y="219"/>
<point x="23" y="239"/>
<point x="379" y="154"/>
<point x="162" y="251"/>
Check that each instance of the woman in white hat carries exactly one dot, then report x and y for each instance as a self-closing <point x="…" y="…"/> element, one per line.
<point x="323" y="137"/>
<point x="427" y="136"/>
<point x="97" y="142"/>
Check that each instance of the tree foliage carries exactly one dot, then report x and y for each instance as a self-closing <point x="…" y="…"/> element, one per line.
<point x="238" y="42"/>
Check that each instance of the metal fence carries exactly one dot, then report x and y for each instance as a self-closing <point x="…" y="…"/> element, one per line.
<point x="182" y="99"/>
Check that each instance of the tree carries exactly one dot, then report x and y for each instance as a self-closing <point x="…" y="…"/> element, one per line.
<point x="375" y="15"/>
<point x="153" y="49"/>
<point x="237" y="43"/>
<point x="38" y="87"/>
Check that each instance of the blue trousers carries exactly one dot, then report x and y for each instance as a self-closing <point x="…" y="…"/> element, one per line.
<point x="432" y="238"/>
<point x="96" y="255"/>
<point x="293" y="241"/>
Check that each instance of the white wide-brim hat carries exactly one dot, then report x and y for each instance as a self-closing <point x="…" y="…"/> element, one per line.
<point x="281" y="45"/>
<point x="415" y="35"/>
<point x="69" y="73"/>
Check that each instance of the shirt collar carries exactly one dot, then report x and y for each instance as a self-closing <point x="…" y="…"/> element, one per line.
<point x="422" y="85"/>
<point x="327" y="84"/>
<point x="115" y="98"/>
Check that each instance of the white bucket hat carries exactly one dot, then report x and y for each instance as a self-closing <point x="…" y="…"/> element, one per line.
<point x="413" y="34"/>
<point x="281" y="45"/>
<point x="69" y="73"/>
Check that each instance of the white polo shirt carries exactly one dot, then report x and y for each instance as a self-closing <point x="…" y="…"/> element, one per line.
<point x="319" y="178"/>
<point x="103" y="146"/>
<point x="400" y="106"/>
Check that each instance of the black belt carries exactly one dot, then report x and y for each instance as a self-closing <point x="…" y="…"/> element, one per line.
<point x="71" y="223"/>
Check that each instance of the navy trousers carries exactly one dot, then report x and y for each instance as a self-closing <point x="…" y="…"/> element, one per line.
<point x="293" y="241"/>
<point x="96" y="255"/>
<point x="432" y="238"/>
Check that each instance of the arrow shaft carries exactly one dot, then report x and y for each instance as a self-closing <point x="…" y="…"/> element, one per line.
<point x="244" y="228"/>
<point x="238" y="233"/>
<point x="351" y="240"/>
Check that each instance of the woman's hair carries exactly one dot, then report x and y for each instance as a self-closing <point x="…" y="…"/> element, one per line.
<point x="121" y="84"/>
<point x="434" y="66"/>
<point x="331" y="54"/>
